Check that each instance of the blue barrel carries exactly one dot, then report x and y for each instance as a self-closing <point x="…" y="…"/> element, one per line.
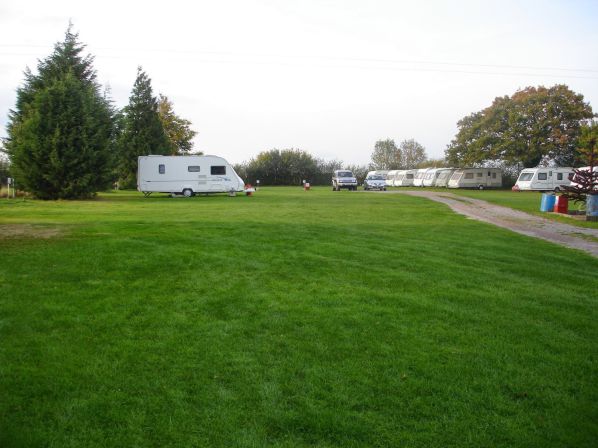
<point x="592" y="205"/>
<point x="547" y="204"/>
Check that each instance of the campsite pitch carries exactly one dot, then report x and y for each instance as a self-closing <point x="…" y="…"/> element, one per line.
<point x="289" y="319"/>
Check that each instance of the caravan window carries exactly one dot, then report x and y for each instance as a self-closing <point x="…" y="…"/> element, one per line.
<point x="493" y="175"/>
<point x="193" y="169"/>
<point x="468" y="175"/>
<point x="217" y="170"/>
<point x="479" y="174"/>
<point x="161" y="169"/>
<point x="559" y="176"/>
<point x="542" y="176"/>
<point x="526" y="176"/>
<point x="410" y="176"/>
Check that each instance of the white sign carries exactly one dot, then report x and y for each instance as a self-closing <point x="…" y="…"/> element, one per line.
<point x="9" y="180"/>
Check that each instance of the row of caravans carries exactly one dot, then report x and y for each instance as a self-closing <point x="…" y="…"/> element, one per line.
<point x="480" y="178"/>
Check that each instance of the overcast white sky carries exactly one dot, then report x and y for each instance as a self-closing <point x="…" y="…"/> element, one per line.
<point x="327" y="76"/>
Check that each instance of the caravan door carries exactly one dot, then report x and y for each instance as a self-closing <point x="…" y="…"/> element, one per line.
<point x="542" y="180"/>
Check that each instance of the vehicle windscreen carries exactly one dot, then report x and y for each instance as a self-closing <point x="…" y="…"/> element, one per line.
<point x="526" y="176"/>
<point x="376" y="177"/>
<point x="345" y="174"/>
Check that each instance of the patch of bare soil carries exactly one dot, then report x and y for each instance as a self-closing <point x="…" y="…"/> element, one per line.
<point x="10" y="231"/>
<point x="556" y="232"/>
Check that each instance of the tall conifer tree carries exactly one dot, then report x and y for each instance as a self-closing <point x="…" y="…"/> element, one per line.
<point x="60" y="132"/>
<point x="142" y="132"/>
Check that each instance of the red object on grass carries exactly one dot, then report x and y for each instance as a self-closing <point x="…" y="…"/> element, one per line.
<point x="561" y="204"/>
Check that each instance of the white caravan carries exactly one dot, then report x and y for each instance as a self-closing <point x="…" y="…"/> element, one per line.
<point x="405" y="178"/>
<point x="429" y="177"/>
<point x="390" y="177"/>
<point x="186" y="175"/>
<point x="418" y="180"/>
<point x="479" y="178"/>
<point x="442" y="177"/>
<point x="543" y="179"/>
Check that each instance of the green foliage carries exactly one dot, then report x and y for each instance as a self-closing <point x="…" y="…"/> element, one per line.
<point x="178" y="130"/>
<point x="286" y="167"/>
<point x="386" y="156"/>
<point x="60" y="132"/>
<point x="141" y="131"/>
<point x="585" y="181"/>
<point x="534" y="126"/>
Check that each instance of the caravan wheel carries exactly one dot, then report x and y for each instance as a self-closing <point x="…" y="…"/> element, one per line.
<point x="557" y="189"/>
<point x="480" y="187"/>
<point x="187" y="192"/>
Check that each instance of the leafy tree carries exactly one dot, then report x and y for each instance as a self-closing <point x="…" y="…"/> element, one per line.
<point x="386" y="156"/>
<point x="178" y="130"/>
<point x="413" y="153"/>
<point x="282" y="167"/>
<point x="59" y="134"/>
<point x="585" y="181"/>
<point x="534" y="126"/>
<point x="141" y="132"/>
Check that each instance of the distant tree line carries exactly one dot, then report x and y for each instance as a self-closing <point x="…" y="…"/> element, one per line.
<point x="67" y="140"/>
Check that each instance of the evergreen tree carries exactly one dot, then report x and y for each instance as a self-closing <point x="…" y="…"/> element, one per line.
<point x="141" y="131"/>
<point x="59" y="134"/>
<point x="179" y="132"/>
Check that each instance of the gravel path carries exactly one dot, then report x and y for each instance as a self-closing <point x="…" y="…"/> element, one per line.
<point x="556" y="232"/>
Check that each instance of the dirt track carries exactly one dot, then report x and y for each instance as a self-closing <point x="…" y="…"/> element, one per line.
<point x="564" y="234"/>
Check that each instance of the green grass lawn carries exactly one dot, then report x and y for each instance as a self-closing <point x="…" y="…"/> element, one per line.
<point x="289" y="319"/>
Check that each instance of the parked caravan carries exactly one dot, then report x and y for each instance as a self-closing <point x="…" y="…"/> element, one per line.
<point x="543" y="179"/>
<point x="390" y="177"/>
<point x="405" y="178"/>
<point x="186" y="175"/>
<point x="418" y="180"/>
<point x="443" y="176"/>
<point x="479" y="178"/>
<point x="429" y="177"/>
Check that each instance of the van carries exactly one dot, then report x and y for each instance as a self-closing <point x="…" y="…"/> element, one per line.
<point x="480" y="178"/>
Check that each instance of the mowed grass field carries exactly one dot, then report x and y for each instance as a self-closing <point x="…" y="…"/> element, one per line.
<point x="289" y="319"/>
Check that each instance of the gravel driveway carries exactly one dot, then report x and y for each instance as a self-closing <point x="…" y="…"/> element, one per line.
<point x="556" y="232"/>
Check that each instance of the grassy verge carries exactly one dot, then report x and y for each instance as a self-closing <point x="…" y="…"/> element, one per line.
<point x="289" y="318"/>
<point x="526" y="201"/>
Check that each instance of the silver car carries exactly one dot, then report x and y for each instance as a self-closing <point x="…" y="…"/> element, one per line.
<point x="375" y="182"/>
